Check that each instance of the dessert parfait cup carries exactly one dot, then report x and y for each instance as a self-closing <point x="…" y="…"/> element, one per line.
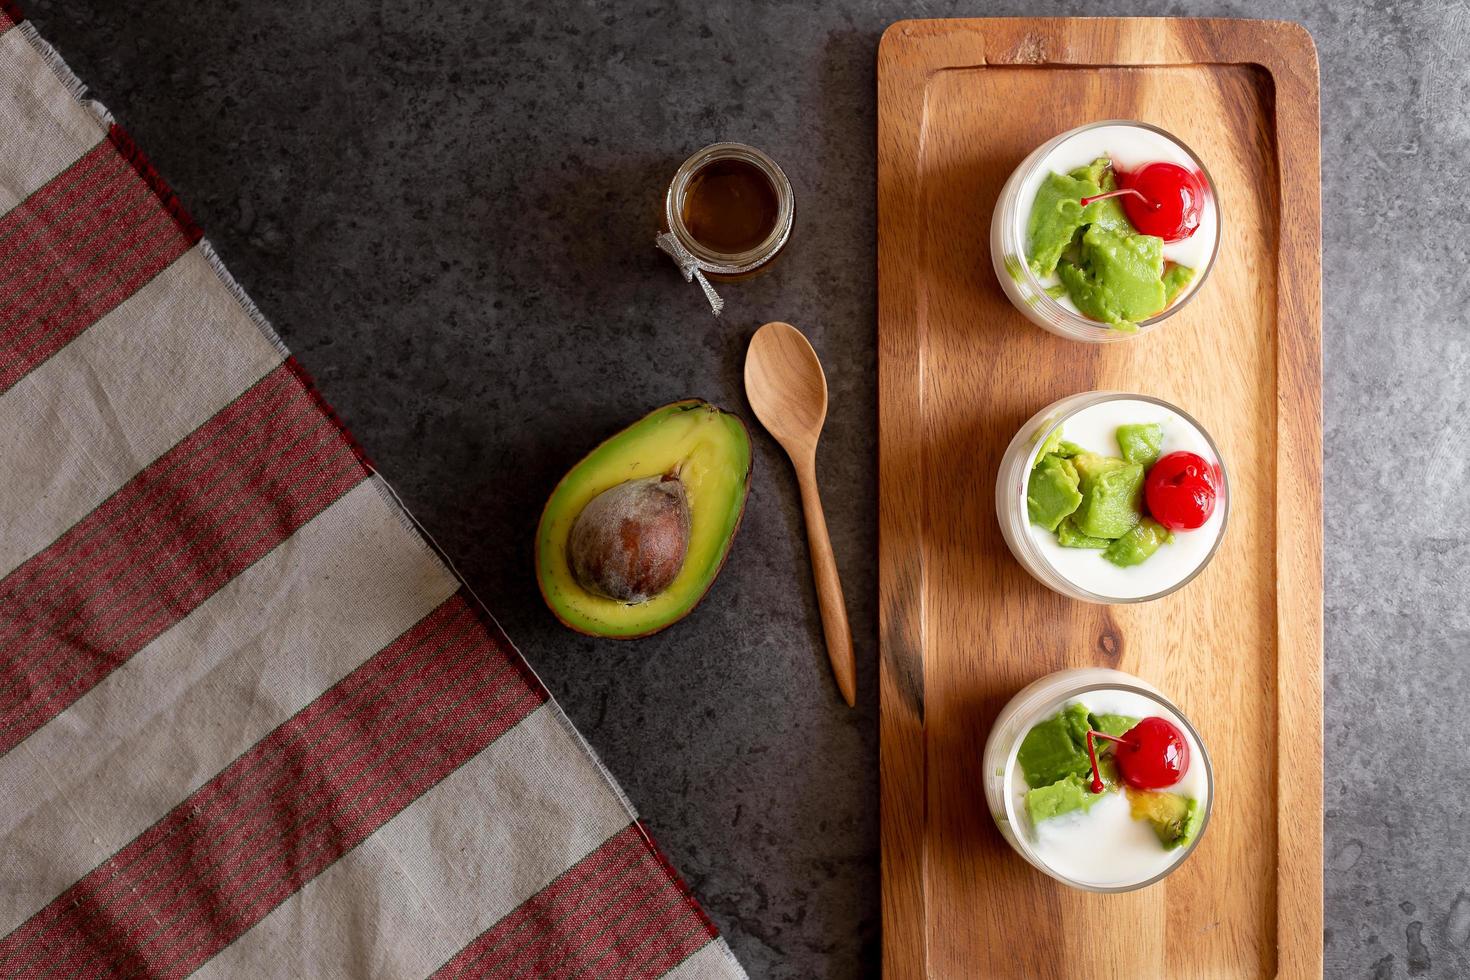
<point x="1130" y="144"/>
<point x="1091" y="418"/>
<point x="1118" y="867"/>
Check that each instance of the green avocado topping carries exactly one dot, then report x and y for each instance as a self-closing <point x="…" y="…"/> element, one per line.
<point x="1109" y="270"/>
<point x="1141" y="541"/>
<point x="1056" y="748"/>
<point x="1141" y="443"/>
<point x="1054" y="761"/>
<point x="1092" y="501"/>
<point x="1052" y="491"/>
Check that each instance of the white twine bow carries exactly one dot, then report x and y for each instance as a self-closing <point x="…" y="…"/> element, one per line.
<point x="689" y="266"/>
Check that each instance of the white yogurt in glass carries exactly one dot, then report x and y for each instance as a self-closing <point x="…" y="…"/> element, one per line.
<point x="1091" y="420"/>
<point x="1130" y="145"/>
<point x="1104" y="848"/>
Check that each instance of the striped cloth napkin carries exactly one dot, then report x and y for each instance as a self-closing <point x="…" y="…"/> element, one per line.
<point x="250" y="723"/>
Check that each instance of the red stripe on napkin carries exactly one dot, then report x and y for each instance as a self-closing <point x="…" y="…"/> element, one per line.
<point x="620" y="912"/>
<point x="79" y="246"/>
<point x="281" y="814"/>
<point x="172" y="536"/>
<point x="10" y="15"/>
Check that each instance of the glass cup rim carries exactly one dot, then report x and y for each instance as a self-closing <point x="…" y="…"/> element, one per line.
<point x="1071" y="694"/>
<point x="1016" y="237"/>
<point x="724" y="263"/>
<point x="1097" y="398"/>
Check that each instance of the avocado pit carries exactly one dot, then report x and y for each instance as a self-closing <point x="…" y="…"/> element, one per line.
<point x="655" y="508"/>
<point x="630" y="541"/>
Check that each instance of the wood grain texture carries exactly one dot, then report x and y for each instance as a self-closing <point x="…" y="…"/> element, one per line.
<point x="963" y="626"/>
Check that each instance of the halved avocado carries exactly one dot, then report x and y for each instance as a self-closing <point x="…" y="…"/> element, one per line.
<point x="709" y="450"/>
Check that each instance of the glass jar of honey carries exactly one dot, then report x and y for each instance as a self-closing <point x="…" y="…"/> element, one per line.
<point x="731" y="209"/>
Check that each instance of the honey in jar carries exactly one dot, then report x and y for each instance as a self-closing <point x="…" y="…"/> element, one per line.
<point x="731" y="208"/>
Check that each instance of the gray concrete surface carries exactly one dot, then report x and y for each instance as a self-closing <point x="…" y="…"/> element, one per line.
<point x="446" y="207"/>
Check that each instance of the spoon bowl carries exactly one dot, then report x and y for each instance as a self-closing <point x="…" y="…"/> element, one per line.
<point x="786" y="386"/>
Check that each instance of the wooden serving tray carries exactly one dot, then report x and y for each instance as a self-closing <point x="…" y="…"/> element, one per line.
<point x="964" y="626"/>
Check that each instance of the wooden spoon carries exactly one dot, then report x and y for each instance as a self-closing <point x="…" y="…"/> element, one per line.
<point x="787" y="390"/>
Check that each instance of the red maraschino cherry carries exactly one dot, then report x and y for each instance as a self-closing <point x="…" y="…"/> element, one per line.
<point x="1161" y="199"/>
<point x="1180" y="491"/>
<point x="1169" y="202"/>
<point x="1153" y="754"/>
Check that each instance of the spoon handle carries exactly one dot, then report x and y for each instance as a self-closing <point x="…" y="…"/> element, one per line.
<point x="829" y="586"/>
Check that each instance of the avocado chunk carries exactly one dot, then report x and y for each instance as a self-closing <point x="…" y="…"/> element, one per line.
<point x="1110" y="271"/>
<point x="1066" y="795"/>
<point x="1141" y="443"/>
<point x="1049" y="448"/>
<point x="1175" y="818"/>
<point x="1176" y="277"/>
<point x="1069" y="537"/>
<point x="1108" y="213"/>
<point x="1092" y="465"/>
<point x="1055" y="445"/>
<point x="1112" y="495"/>
<point x="1119" y="277"/>
<point x="1117" y="725"/>
<point x="1141" y="541"/>
<point x="1051" y="492"/>
<point x="1055" y="217"/>
<point x="685" y="461"/>
<point x="1056" y="748"/>
<point x="1094" y="173"/>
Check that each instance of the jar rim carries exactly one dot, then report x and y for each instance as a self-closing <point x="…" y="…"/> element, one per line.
<point x="723" y="263"/>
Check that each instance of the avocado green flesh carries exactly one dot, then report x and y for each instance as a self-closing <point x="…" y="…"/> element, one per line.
<point x="1175" y="819"/>
<point x="1118" y="278"/>
<point x="711" y="450"/>
<point x="1056" y="766"/>
<point x="1176" y="277"/>
<point x="1055" y="217"/>
<point x="1066" y="795"/>
<point x="1113" y="724"/>
<point x="1068" y="536"/>
<point x="1054" y="762"/>
<point x="1108" y="213"/>
<point x="1141" y="541"/>
<point x="1111" y="497"/>
<point x="1056" y="748"/>
<point x="1141" y="443"/>
<point x="1110" y="271"/>
<point x="1051" y="493"/>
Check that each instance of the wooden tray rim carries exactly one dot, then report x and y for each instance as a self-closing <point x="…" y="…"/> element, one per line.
<point x="909" y="53"/>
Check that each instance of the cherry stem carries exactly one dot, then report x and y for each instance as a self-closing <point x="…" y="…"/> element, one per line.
<point x="1119" y="193"/>
<point x="1097" y="781"/>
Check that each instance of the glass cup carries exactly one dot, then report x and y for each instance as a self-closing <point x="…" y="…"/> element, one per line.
<point x="1009" y="244"/>
<point x="1040" y="700"/>
<point x="1015" y="520"/>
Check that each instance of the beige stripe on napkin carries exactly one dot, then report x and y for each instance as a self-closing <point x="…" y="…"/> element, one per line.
<point x="45" y="133"/>
<point x="100" y="773"/>
<point x="448" y="867"/>
<point x="116" y="398"/>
